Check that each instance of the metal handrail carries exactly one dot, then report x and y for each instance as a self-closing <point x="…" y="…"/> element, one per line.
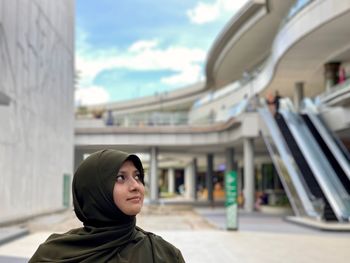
<point x="304" y="195"/>
<point x="339" y="88"/>
<point x="333" y="143"/>
<point x="324" y="173"/>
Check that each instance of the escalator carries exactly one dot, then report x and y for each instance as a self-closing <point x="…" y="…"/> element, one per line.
<point x="303" y="202"/>
<point x="309" y="177"/>
<point x="337" y="154"/>
<point x="313" y="167"/>
<point x="342" y="176"/>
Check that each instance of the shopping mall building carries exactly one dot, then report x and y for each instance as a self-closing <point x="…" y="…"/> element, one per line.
<point x="191" y="137"/>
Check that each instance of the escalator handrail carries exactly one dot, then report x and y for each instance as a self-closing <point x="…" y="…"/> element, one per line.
<point x="279" y="170"/>
<point x="301" y="187"/>
<point x="324" y="173"/>
<point x="333" y="145"/>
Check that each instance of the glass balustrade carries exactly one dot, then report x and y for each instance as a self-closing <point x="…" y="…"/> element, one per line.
<point x="299" y="194"/>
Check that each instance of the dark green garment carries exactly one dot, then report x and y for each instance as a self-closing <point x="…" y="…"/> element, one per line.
<point x="108" y="234"/>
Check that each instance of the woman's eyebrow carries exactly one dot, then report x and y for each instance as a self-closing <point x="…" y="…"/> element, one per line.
<point x="123" y="172"/>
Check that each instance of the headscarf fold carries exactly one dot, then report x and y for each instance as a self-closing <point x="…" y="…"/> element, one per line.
<point x="108" y="234"/>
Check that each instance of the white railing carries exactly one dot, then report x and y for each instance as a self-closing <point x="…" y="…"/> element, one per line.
<point x="148" y="119"/>
<point x="336" y="91"/>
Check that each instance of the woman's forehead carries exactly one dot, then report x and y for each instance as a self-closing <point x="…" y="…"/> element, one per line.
<point x="128" y="164"/>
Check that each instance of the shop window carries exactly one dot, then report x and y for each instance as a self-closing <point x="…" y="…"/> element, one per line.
<point x="270" y="178"/>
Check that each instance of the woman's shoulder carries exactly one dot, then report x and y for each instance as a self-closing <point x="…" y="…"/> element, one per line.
<point x="164" y="248"/>
<point x="53" y="246"/>
<point x="161" y="241"/>
<point x="156" y="238"/>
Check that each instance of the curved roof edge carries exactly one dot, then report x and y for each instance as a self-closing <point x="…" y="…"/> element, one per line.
<point x="245" y="42"/>
<point x="246" y="13"/>
<point x="175" y="95"/>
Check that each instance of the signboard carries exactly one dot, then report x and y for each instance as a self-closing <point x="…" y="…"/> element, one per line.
<point x="66" y="190"/>
<point x="231" y="200"/>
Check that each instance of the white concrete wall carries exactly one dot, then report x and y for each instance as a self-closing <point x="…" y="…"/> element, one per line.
<point x="36" y="128"/>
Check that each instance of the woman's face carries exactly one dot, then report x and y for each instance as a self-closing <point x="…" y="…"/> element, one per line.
<point x="128" y="191"/>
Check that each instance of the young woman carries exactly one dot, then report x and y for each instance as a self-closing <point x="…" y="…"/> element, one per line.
<point x="108" y="192"/>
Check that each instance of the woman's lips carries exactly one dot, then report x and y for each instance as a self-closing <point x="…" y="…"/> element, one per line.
<point x="135" y="199"/>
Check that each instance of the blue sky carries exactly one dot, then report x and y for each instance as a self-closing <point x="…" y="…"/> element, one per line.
<point x="131" y="48"/>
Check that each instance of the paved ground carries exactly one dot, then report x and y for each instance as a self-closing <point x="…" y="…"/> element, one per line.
<point x="200" y="236"/>
<point x="8" y="234"/>
<point x="259" y="222"/>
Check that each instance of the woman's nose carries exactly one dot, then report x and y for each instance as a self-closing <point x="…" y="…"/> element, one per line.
<point x="133" y="184"/>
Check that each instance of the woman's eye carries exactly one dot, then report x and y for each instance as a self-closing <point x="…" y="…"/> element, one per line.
<point x="120" y="178"/>
<point x="137" y="177"/>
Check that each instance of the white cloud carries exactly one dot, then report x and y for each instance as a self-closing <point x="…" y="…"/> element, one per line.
<point x="141" y="55"/>
<point x="205" y="12"/>
<point x="190" y="75"/>
<point x="91" y="96"/>
<point x="143" y="45"/>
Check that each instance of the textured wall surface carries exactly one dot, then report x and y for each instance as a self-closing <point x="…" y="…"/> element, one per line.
<point x="36" y="126"/>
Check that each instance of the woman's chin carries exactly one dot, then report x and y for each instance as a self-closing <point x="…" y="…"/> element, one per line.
<point x="132" y="211"/>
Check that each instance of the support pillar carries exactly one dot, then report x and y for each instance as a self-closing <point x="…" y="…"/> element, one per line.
<point x="171" y="180"/>
<point x="298" y="95"/>
<point x="209" y="176"/>
<point x="249" y="177"/>
<point x="189" y="181"/>
<point x="259" y="177"/>
<point x="195" y="181"/>
<point x="154" y="176"/>
<point x="230" y="163"/>
<point x="331" y="74"/>
<point x="126" y="121"/>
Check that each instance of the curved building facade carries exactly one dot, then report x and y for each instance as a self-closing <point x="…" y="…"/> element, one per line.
<point x="298" y="48"/>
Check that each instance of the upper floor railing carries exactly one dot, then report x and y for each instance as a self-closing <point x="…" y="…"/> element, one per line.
<point x="339" y="92"/>
<point x="179" y="118"/>
<point x="156" y="118"/>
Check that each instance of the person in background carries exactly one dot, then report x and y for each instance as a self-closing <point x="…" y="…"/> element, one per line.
<point x="276" y="102"/>
<point x="342" y="75"/>
<point x="108" y="193"/>
<point x="269" y="101"/>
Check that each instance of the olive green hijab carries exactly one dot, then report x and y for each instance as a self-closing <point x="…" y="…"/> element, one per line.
<point x="108" y="234"/>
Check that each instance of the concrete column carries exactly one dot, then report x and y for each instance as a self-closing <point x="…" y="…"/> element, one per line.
<point x="209" y="176"/>
<point x="248" y="148"/>
<point x="78" y="158"/>
<point x="126" y="121"/>
<point x="171" y="180"/>
<point x="259" y="176"/>
<point x="331" y="74"/>
<point x="298" y="95"/>
<point x="189" y="181"/>
<point x="154" y="175"/>
<point x="195" y="181"/>
<point x="230" y="163"/>
<point x="147" y="177"/>
<point x="240" y="179"/>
